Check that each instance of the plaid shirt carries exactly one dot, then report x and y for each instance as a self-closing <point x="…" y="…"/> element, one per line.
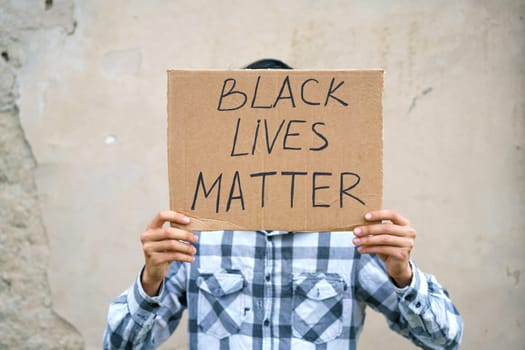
<point x="258" y="290"/>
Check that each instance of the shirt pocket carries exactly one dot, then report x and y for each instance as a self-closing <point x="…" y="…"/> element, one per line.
<point x="221" y="303"/>
<point x="317" y="306"/>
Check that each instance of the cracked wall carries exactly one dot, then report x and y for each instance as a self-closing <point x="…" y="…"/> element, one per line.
<point x="83" y="149"/>
<point x="27" y="317"/>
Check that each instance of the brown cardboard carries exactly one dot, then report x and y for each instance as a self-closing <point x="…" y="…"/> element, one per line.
<point x="321" y="130"/>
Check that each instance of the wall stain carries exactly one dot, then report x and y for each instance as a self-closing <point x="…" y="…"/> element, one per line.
<point x="516" y="274"/>
<point x="417" y="97"/>
<point x="5" y="56"/>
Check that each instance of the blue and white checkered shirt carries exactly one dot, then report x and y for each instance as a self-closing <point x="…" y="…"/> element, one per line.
<point x="258" y="290"/>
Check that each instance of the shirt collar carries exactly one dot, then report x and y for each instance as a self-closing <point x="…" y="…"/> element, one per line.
<point x="270" y="233"/>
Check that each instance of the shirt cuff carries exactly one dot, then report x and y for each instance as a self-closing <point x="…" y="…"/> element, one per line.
<point x="143" y="307"/>
<point x="414" y="296"/>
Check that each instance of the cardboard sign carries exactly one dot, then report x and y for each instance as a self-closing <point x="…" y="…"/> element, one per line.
<point x="289" y="150"/>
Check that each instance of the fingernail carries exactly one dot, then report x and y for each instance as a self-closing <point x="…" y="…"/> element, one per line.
<point x="195" y="238"/>
<point x="356" y="241"/>
<point x="194" y="250"/>
<point x="357" y="231"/>
<point x="359" y="249"/>
<point x="186" y="220"/>
<point x="368" y="216"/>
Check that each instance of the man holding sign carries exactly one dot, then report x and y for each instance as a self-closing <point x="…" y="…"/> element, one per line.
<point x="280" y="158"/>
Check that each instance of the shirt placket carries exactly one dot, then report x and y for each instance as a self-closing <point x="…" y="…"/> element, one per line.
<point x="268" y="294"/>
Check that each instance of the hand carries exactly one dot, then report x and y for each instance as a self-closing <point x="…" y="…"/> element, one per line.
<point x="163" y="245"/>
<point x="392" y="240"/>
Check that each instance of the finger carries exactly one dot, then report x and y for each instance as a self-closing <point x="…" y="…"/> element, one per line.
<point x="382" y="229"/>
<point x="384" y="240"/>
<point x="168" y="257"/>
<point x="387" y="214"/>
<point x="160" y="234"/>
<point x="395" y="252"/>
<point x="168" y="215"/>
<point x="169" y="246"/>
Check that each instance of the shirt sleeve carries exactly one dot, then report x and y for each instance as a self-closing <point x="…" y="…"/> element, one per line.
<point x="138" y="321"/>
<point x="421" y="311"/>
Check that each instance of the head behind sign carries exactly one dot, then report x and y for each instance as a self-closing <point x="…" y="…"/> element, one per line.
<point x="268" y="63"/>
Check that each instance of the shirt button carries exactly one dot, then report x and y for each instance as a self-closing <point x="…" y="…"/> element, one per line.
<point x="268" y="278"/>
<point x="266" y="323"/>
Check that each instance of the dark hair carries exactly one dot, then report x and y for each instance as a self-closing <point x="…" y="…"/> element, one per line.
<point x="268" y="63"/>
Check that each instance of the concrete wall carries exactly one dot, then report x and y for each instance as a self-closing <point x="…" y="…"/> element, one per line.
<point x="83" y="155"/>
<point x="27" y="317"/>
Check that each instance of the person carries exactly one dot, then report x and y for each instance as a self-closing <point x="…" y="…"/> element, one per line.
<point x="280" y="290"/>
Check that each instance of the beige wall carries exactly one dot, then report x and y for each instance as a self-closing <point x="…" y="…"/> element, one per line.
<point x="92" y="105"/>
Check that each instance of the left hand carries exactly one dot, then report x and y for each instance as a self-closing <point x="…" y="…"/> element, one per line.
<point x="392" y="240"/>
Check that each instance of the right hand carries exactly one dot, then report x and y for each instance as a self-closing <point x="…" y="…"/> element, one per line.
<point x="162" y="245"/>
